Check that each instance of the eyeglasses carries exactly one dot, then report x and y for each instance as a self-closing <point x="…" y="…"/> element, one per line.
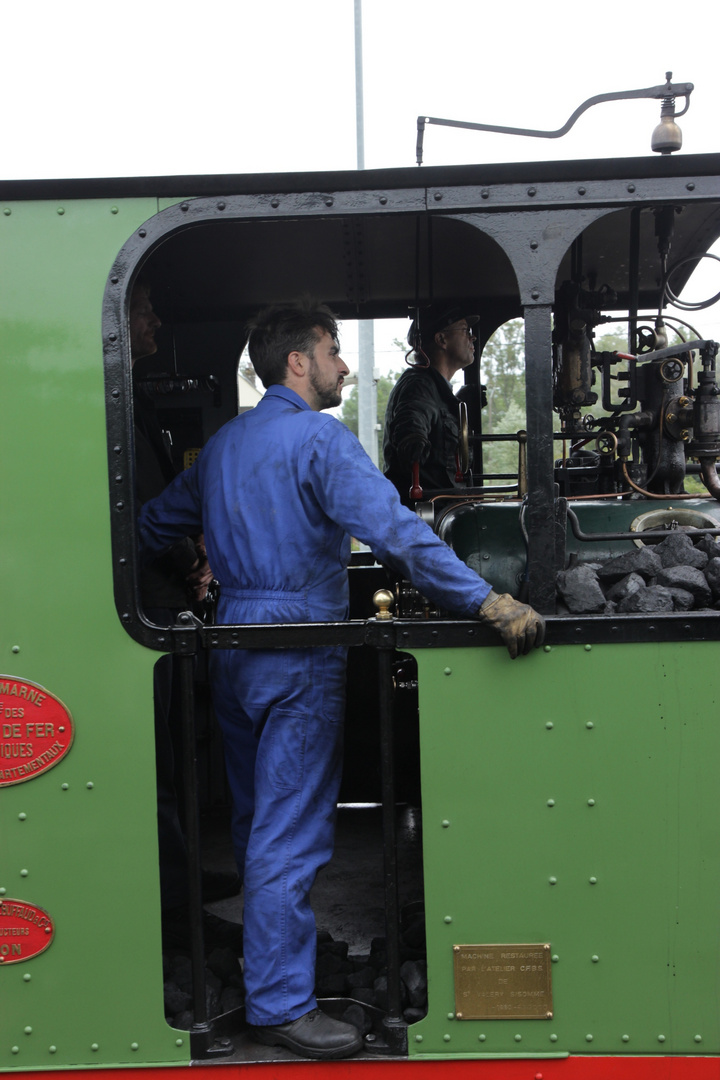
<point x="460" y="330"/>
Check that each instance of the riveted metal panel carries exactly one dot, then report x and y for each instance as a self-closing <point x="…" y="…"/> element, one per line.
<point x="568" y="194"/>
<point x="570" y="797"/>
<point x="80" y="840"/>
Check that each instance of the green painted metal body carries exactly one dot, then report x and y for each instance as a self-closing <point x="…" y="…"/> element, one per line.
<point x="568" y="797"/>
<point x="571" y="798"/>
<point x="87" y="849"/>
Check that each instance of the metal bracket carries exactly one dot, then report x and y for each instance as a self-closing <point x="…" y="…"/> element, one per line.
<point x="667" y="91"/>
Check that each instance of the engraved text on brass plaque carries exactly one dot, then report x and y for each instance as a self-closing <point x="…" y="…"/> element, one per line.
<point x="496" y="982"/>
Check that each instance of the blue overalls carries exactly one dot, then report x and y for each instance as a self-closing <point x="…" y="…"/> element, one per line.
<point x="278" y="492"/>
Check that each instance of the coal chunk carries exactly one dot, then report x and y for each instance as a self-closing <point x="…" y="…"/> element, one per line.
<point x="334" y="948"/>
<point x="357" y="1016"/>
<point x="224" y="964"/>
<point x="364" y="977"/>
<point x="712" y="575"/>
<point x="414" y="976"/>
<point x="642" y="561"/>
<point x="365" y="995"/>
<point x="682" y="599"/>
<point x="327" y="964"/>
<point x="184" y="1020"/>
<point x="710" y="545"/>
<point x="678" y="550"/>
<point x="689" y="578"/>
<point x="213" y="989"/>
<point x="181" y="972"/>
<point x="176" y="1000"/>
<point x="649" y="600"/>
<point x="212" y="1005"/>
<point x="381" y="992"/>
<point x="580" y="589"/>
<point x="625" y="587"/>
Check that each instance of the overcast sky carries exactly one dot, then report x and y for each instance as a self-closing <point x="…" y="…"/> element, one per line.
<point x="165" y="86"/>
<point x="156" y="87"/>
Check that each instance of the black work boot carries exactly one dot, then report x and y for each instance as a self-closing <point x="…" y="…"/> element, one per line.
<point x="314" y="1035"/>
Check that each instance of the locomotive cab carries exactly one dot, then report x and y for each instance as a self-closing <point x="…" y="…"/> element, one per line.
<point x="568" y="838"/>
<point x="609" y="437"/>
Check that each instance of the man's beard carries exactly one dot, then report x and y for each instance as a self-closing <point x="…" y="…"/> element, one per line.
<point x="328" y="394"/>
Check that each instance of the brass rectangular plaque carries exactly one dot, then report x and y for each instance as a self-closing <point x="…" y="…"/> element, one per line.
<point x="502" y="982"/>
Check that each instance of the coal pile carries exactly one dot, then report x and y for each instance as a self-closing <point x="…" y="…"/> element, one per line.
<point x="223" y="986"/>
<point x="675" y="575"/>
<point x="337" y="975"/>
<point x="364" y="978"/>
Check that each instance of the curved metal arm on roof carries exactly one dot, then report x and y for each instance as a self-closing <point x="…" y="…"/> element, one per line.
<point x="668" y="91"/>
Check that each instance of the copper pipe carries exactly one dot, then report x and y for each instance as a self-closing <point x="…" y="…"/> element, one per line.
<point x="612" y="495"/>
<point x="710" y="477"/>
<point x="652" y="495"/>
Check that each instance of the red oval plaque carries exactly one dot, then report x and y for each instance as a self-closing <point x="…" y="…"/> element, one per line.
<point x="35" y="727"/>
<point x="25" y="931"/>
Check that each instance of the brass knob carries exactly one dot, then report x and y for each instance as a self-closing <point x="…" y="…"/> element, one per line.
<point x="383" y="600"/>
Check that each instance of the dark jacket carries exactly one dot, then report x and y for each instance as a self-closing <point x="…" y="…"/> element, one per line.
<point x="162" y="583"/>
<point x="421" y="424"/>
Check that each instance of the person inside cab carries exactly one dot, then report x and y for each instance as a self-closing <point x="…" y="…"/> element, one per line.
<point x="421" y="422"/>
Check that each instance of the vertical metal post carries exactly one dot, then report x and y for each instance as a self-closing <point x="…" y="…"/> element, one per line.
<point x="359" y="116"/>
<point x="366" y="389"/>
<point x="394" y="1025"/>
<point x="633" y="278"/>
<point x="541" y="487"/>
<point x="201" y="1028"/>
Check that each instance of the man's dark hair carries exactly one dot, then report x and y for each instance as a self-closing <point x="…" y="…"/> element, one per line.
<point x="433" y="321"/>
<point x="142" y="283"/>
<point x="281" y="329"/>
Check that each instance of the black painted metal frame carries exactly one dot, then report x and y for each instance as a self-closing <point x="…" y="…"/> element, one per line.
<point x="204" y="185"/>
<point x="534" y="223"/>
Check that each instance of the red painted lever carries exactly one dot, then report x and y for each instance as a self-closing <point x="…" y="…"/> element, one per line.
<point x="416" y="492"/>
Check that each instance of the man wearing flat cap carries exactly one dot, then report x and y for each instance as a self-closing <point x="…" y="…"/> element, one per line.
<point x="421" y="421"/>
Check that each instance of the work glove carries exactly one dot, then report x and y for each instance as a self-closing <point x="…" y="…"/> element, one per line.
<point x="518" y="624"/>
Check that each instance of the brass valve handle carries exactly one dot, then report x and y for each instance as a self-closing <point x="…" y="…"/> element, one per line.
<point x="383" y="601"/>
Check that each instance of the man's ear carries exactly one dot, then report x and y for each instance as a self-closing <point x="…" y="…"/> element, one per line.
<point x="297" y="363"/>
<point x="440" y="340"/>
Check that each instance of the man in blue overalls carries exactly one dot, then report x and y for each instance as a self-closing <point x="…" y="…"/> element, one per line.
<point x="278" y="492"/>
